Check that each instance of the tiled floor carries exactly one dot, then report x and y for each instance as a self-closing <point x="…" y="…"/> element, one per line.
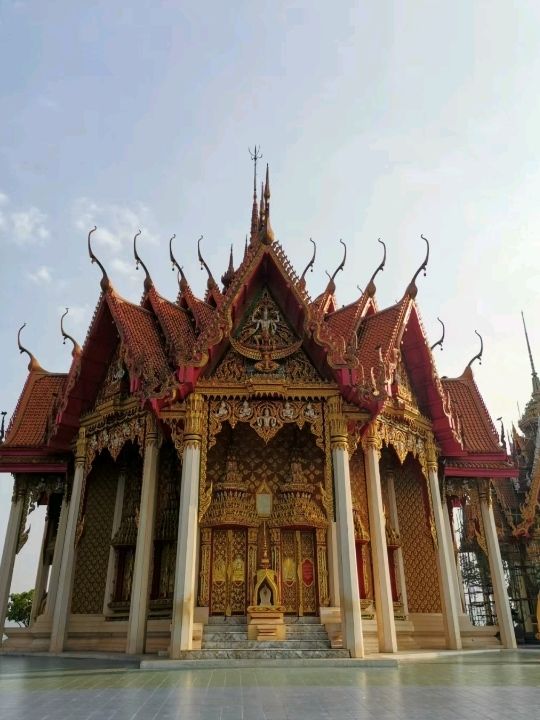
<point x="480" y="687"/>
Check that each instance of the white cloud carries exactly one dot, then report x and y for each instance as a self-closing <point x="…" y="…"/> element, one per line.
<point x="22" y="226"/>
<point x="117" y="224"/>
<point x="42" y="276"/>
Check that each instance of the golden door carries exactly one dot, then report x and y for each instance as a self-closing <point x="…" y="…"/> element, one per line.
<point x="228" y="572"/>
<point x="298" y="572"/>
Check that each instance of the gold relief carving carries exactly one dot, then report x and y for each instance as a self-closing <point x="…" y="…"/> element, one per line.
<point x="80" y="447"/>
<point x="194" y="418"/>
<point x="204" y="573"/>
<point x="419" y="554"/>
<point x="337" y="422"/>
<point x="359" y="496"/>
<point x="322" y="567"/>
<point x="113" y="432"/>
<point x="266" y="417"/>
<point x="403" y="436"/>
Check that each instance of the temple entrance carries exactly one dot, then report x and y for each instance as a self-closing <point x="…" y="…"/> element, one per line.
<point x="299" y="572"/>
<point x="228" y="578"/>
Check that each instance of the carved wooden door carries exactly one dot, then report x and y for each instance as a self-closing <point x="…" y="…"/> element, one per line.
<point x="228" y="572"/>
<point x="299" y="572"/>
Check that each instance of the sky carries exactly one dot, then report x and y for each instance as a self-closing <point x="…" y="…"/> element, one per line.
<point x="378" y="119"/>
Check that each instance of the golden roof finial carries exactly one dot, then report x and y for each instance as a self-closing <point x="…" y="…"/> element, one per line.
<point x="535" y="381"/>
<point x="76" y="347"/>
<point x="228" y="275"/>
<point x="255" y="155"/>
<point x="412" y="290"/>
<point x="147" y="280"/>
<point x="104" y="282"/>
<point x="267" y="234"/>
<point x="33" y="364"/>
<point x="211" y="281"/>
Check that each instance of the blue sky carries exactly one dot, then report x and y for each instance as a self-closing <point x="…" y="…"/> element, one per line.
<point x="378" y="119"/>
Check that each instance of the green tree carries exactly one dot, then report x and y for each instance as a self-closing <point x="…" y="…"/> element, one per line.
<point x="20" y="607"/>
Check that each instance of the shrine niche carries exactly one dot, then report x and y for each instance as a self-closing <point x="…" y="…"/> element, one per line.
<point x="259" y="491"/>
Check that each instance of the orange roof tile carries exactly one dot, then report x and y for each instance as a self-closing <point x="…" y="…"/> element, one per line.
<point x="379" y="330"/>
<point x="175" y="323"/>
<point x="29" y="422"/>
<point x="479" y="433"/>
<point x="139" y="331"/>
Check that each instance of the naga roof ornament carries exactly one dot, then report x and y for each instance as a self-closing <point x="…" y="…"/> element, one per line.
<point x="211" y="282"/>
<point x="412" y="290"/>
<point x="105" y="283"/>
<point x="478" y="355"/>
<point x="33" y="364"/>
<point x="310" y="263"/>
<point x="76" y="347"/>
<point x="174" y="262"/>
<point x="370" y="287"/>
<point x="147" y="280"/>
<point x="331" y="284"/>
<point x="441" y="339"/>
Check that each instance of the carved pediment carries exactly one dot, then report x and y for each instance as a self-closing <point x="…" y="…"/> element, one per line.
<point x="265" y="346"/>
<point x="116" y="382"/>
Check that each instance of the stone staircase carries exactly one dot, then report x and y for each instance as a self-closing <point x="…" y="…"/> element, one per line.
<point x="226" y="638"/>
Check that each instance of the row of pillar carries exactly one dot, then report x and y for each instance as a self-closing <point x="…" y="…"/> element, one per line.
<point x="63" y="566"/>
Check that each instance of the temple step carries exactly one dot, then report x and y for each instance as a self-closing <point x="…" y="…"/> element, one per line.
<point x="261" y="653"/>
<point x="227" y="638"/>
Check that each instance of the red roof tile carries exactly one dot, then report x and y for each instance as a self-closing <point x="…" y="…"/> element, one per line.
<point x="479" y="433"/>
<point x="29" y="422"/>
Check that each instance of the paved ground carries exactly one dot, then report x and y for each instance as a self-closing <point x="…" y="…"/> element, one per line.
<point x="481" y="687"/>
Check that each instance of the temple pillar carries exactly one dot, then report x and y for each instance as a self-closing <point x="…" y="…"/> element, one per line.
<point x="140" y="588"/>
<point x="57" y="558"/>
<point x="42" y="571"/>
<point x="445" y="562"/>
<point x="502" y="604"/>
<point x="351" y="613"/>
<point x="10" y="551"/>
<point x="67" y="569"/>
<point x="333" y="572"/>
<point x="184" y="581"/>
<point x="384" y="606"/>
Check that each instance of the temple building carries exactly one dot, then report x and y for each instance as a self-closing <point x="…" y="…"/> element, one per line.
<point x="255" y="473"/>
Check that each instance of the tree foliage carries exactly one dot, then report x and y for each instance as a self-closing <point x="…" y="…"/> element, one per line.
<point x="20" y="607"/>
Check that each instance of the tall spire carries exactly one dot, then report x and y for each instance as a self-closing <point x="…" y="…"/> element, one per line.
<point x="535" y="380"/>
<point x="255" y="155"/>
<point x="228" y="275"/>
<point x="267" y="234"/>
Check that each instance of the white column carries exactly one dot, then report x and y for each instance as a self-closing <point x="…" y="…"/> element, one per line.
<point x="333" y="564"/>
<point x="184" y="581"/>
<point x="502" y="604"/>
<point x="57" y="558"/>
<point x="117" y="519"/>
<point x="445" y="562"/>
<point x="384" y="606"/>
<point x="9" y="552"/>
<point x="394" y="519"/>
<point x="42" y="572"/>
<point x="351" y="611"/>
<point x="456" y="576"/>
<point x="67" y="569"/>
<point x="140" y="587"/>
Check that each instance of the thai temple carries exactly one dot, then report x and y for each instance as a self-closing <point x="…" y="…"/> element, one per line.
<point x="259" y="473"/>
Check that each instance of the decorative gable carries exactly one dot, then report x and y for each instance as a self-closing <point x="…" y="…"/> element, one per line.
<point x="265" y="346"/>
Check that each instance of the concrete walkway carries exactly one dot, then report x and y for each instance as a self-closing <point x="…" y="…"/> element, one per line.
<point x="483" y="686"/>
